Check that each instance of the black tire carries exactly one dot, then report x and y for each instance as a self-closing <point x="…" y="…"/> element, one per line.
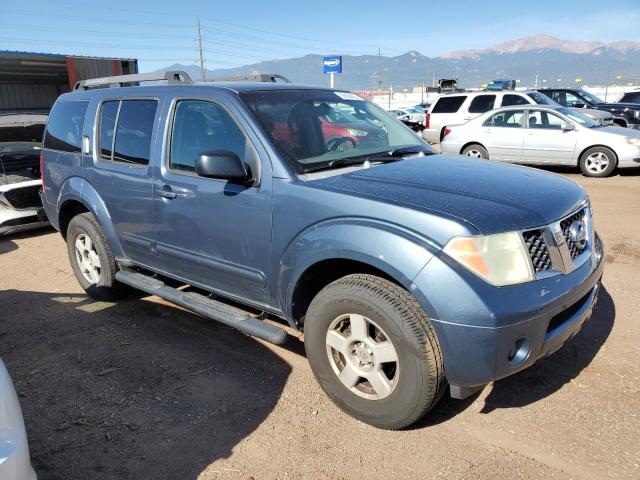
<point x="420" y="380"/>
<point x="107" y="287"/>
<point x="475" y="150"/>
<point x="589" y="168"/>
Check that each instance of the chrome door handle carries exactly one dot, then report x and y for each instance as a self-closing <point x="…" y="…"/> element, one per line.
<point x="166" y="192"/>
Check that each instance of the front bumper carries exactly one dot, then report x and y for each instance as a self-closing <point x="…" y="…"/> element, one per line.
<point x="480" y="327"/>
<point x="13" y="221"/>
<point x="14" y="449"/>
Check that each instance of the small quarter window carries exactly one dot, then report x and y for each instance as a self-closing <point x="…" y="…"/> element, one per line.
<point x="107" y="127"/>
<point x="64" y="129"/>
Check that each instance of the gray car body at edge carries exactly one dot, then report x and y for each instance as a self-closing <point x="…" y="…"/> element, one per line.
<point x="395" y="218"/>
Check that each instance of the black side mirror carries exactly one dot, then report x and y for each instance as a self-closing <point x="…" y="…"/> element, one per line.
<point x="578" y="105"/>
<point x="224" y="165"/>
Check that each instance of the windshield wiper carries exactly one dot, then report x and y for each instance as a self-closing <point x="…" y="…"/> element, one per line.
<point x="399" y="152"/>
<point x="380" y="157"/>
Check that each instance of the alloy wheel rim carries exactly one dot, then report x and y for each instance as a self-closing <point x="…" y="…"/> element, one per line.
<point x="473" y="153"/>
<point x="597" y="162"/>
<point x="87" y="258"/>
<point x="362" y="356"/>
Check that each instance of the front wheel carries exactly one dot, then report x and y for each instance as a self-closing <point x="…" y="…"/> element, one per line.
<point x="373" y="351"/>
<point x="475" y="151"/>
<point x="598" y="162"/>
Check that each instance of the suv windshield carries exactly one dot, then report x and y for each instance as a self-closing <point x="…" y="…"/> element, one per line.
<point x="318" y="129"/>
<point x="592" y="99"/>
<point x="542" y="99"/>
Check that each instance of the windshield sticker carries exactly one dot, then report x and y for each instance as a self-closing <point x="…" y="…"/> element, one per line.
<point x="348" y="96"/>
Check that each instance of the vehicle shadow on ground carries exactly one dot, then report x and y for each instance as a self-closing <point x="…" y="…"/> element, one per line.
<point x="548" y="375"/>
<point x="7" y="242"/>
<point x="136" y="389"/>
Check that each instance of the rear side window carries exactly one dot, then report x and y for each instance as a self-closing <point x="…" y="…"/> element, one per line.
<point x="64" y="129"/>
<point x="482" y="103"/>
<point x="448" y="104"/>
<point x="508" y="119"/>
<point x="132" y="123"/>
<point x="632" y="97"/>
<point x="511" y="99"/>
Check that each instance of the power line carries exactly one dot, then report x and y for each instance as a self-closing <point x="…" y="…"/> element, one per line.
<point x="212" y="19"/>
<point x="21" y="27"/>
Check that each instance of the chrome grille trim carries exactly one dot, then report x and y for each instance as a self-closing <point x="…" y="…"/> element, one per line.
<point x="564" y="255"/>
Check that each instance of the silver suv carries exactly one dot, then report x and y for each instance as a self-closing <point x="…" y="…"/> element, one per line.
<point x="459" y="108"/>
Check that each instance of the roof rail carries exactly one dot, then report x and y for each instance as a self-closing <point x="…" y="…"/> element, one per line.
<point x="172" y="77"/>
<point x="258" y="77"/>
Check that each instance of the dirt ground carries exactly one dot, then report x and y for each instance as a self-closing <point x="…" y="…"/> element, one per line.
<point x="143" y="390"/>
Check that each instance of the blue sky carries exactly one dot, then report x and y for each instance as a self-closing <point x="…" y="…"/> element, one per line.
<point x="160" y="32"/>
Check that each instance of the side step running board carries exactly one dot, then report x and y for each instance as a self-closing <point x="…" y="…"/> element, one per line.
<point x="221" y="312"/>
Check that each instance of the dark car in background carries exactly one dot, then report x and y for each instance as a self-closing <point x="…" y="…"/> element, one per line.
<point x="625" y="114"/>
<point x="20" y="184"/>
<point x="630" y="97"/>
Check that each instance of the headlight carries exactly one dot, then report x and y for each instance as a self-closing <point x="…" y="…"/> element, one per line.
<point x="357" y="133"/>
<point x="632" y="140"/>
<point x="637" y="113"/>
<point x="501" y="259"/>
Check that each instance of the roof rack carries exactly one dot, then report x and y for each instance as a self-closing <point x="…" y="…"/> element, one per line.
<point x="258" y="77"/>
<point x="172" y="77"/>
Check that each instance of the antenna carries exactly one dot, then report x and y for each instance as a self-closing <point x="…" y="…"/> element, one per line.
<point x="201" y="49"/>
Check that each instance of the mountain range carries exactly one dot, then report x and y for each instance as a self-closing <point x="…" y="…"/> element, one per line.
<point x="555" y="62"/>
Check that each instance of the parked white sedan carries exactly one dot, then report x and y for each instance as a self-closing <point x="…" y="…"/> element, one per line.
<point x="14" y="450"/>
<point x="545" y="135"/>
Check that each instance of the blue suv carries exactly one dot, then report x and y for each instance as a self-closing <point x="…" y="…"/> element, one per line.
<point x="407" y="271"/>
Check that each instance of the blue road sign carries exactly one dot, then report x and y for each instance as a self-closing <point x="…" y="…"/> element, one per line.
<point x="332" y="64"/>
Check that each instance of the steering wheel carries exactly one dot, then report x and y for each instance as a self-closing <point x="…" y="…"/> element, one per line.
<point x="340" y="144"/>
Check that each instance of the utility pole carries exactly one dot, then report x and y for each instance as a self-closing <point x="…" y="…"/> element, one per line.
<point x="536" y="81"/>
<point x="201" y="49"/>
<point x="379" y="80"/>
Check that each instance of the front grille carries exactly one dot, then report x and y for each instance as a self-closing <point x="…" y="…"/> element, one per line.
<point x="26" y="197"/>
<point x="574" y="248"/>
<point x="537" y="250"/>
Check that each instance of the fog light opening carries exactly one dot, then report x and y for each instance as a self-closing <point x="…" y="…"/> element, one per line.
<point x="519" y="351"/>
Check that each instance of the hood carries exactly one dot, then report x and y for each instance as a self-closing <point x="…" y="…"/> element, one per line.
<point x="593" y="113"/>
<point x="494" y="197"/>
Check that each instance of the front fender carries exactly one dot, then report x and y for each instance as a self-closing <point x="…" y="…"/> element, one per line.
<point x="78" y="189"/>
<point x="397" y="251"/>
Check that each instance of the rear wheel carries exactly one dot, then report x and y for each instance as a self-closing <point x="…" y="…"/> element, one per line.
<point x="374" y="351"/>
<point x="91" y="258"/>
<point x="598" y="162"/>
<point x="475" y="151"/>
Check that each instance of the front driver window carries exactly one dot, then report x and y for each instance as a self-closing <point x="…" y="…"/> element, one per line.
<point x="200" y="126"/>
<point x="545" y="120"/>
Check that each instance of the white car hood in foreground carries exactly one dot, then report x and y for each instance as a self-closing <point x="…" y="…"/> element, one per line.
<point x="14" y="450"/>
